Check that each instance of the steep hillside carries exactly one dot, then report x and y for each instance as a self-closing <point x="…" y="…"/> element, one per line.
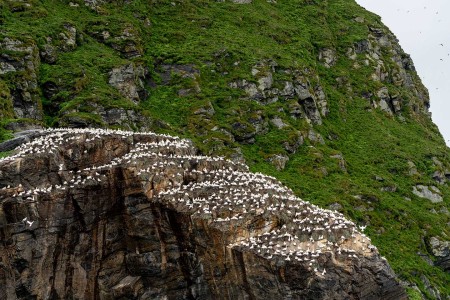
<point x="316" y="93"/>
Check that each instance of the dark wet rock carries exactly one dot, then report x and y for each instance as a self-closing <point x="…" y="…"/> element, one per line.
<point x="362" y="46"/>
<point x="125" y="118"/>
<point x="168" y="71"/>
<point x="439" y="177"/>
<point x="243" y="132"/>
<point x="19" y="139"/>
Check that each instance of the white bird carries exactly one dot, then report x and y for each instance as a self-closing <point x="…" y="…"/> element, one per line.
<point x="30" y="223"/>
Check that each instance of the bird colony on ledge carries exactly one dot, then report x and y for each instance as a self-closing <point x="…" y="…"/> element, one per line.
<point x="169" y="211"/>
<point x="221" y="191"/>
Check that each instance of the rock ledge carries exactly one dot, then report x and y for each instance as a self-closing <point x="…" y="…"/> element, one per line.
<point x="102" y="214"/>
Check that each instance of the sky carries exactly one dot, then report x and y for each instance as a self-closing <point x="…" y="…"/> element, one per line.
<point x="423" y="29"/>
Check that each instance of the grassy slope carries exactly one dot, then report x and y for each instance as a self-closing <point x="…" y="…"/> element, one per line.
<point x="289" y="32"/>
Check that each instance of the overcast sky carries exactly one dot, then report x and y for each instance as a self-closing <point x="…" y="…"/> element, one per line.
<point x="423" y="28"/>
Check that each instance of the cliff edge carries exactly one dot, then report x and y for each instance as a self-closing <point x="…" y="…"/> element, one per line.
<point x="102" y="214"/>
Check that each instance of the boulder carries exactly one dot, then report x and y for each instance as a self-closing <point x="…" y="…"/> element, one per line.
<point x="278" y="123"/>
<point x="431" y="193"/>
<point x="315" y="138"/>
<point x="384" y="100"/>
<point x="207" y="110"/>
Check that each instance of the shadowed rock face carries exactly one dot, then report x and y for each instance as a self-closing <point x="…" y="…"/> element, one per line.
<point x="95" y="214"/>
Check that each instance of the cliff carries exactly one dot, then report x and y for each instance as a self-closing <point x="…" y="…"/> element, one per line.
<point x="318" y="94"/>
<point x="96" y="214"/>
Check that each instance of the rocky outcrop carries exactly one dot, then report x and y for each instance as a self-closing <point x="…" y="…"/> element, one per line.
<point x="129" y="80"/>
<point x="308" y="100"/>
<point x="328" y="57"/>
<point x="96" y="214"/>
<point x="242" y="1"/>
<point x="279" y="161"/>
<point x="173" y="73"/>
<point x="19" y="66"/>
<point x="245" y="131"/>
<point x="441" y="251"/>
<point x="431" y="193"/>
<point x="19" y="139"/>
<point x="125" y="38"/>
<point x="67" y="39"/>
<point x="399" y="71"/>
<point x="127" y="118"/>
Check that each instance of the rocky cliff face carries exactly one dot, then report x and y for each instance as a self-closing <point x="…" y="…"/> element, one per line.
<point x="96" y="214"/>
<point x="318" y="94"/>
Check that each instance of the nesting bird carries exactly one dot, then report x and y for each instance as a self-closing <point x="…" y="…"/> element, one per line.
<point x="220" y="191"/>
